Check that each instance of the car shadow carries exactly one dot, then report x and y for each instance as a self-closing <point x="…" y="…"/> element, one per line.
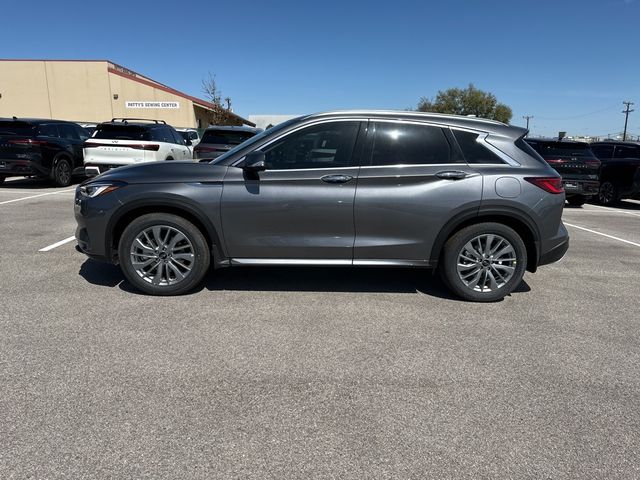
<point x="621" y="205"/>
<point x="33" y="183"/>
<point x="297" y="279"/>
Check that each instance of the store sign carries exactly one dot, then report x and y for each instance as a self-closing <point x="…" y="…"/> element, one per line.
<point x="152" y="104"/>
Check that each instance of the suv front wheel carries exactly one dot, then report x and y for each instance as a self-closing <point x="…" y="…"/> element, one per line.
<point x="163" y="254"/>
<point x="484" y="262"/>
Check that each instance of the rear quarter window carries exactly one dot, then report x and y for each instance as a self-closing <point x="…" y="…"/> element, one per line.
<point x="474" y="150"/>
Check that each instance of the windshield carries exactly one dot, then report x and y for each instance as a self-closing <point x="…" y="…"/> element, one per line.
<point x="255" y="139"/>
<point x="564" y="150"/>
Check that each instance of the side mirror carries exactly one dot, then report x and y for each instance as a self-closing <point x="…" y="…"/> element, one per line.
<point x="254" y="162"/>
<point x="188" y="142"/>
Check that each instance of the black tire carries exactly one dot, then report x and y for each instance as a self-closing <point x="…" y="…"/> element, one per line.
<point x="456" y="246"/>
<point x="200" y="258"/>
<point x="577" y="200"/>
<point x="61" y="173"/>
<point x="608" y="194"/>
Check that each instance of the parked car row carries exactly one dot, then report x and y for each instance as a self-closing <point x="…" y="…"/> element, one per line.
<point x="608" y="171"/>
<point x="57" y="150"/>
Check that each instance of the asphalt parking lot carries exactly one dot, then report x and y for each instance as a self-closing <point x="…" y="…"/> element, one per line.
<point x="315" y="373"/>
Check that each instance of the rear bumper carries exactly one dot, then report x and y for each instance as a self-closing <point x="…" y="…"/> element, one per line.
<point x="18" y="167"/>
<point x="555" y="248"/>
<point x="580" y="187"/>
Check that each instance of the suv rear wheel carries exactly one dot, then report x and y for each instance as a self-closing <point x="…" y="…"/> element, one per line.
<point x="61" y="173"/>
<point x="484" y="262"/>
<point x="163" y="254"/>
<point x="608" y="193"/>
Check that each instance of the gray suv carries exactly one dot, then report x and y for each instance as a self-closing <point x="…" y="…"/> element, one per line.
<point x="361" y="188"/>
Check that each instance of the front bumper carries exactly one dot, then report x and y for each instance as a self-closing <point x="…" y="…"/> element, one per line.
<point x="92" y="216"/>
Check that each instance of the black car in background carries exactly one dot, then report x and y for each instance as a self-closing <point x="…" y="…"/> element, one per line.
<point x="217" y="140"/>
<point x="49" y="149"/>
<point x="619" y="170"/>
<point x="577" y="164"/>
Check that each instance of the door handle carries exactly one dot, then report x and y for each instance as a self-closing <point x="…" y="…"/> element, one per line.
<point x="452" y="175"/>
<point x="336" y="178"/>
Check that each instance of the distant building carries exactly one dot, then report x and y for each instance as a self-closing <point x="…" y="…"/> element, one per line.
<point x="93" y="91"/>
<point x="268" y="121"/>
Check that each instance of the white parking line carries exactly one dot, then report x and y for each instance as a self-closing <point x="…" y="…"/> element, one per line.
<point x="614" y="210"/>
<point x="603" y="234"/>
<point x="57" y="244"/>
<point x="36" y="196"/>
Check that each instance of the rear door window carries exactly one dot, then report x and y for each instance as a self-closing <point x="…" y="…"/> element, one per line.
<point x="625" y="151"/>
<point x="474" y="149"/>
<point x="603" y="151"/>
<point x="67" y="131"/>
<point x="409" y="144"/>
<point x="48" y="130"/>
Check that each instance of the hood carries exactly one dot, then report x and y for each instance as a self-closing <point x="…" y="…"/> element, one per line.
<point x="165" y="172"/>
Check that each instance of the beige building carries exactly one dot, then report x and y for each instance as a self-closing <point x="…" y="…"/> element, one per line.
<point x="93" y="91"/>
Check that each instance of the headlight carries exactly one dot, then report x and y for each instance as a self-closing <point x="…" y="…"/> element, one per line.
<point x="94" y="189"/>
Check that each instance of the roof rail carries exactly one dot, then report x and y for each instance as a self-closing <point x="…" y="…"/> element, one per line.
<point x="126" y="119"/>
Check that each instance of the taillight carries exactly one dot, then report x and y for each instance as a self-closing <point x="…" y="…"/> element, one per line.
<point x="548" y="184"/>
<point x="554" y="160"/>
<point x="152" y="147"/>
<point x="592" y="163"/>
<point x="27" y="141"/>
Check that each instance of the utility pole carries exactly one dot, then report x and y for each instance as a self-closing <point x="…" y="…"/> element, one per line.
<point x="626" y="112"/>
<point x="527" y="118"/>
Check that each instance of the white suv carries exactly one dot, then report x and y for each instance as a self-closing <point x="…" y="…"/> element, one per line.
<point x="126" y="141"/>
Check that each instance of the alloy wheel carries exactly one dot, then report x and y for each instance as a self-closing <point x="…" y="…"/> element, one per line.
<point x="486" y="263"/>
<point x="162" y="255"/>
<point x="606" y="193"/>
<point x="63" y="173"/>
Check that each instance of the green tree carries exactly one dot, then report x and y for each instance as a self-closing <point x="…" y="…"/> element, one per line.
<point x="466" y="101"/>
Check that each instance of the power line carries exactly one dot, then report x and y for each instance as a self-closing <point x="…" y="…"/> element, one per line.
<point x="611" y="107"/>
<point x="626" y="112"/>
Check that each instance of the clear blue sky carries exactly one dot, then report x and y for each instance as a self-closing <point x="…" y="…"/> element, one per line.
<point x="560" y="61"/>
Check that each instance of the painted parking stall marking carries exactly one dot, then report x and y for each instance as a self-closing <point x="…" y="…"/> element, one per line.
<point x="36" y="196"/>
<point x="57" y="244"/>
<point x="603" y="234"/>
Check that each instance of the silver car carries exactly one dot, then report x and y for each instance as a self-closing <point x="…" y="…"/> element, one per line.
<point x="360" y="188"/>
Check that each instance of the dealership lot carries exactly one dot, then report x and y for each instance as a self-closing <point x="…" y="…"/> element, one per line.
<point x="269" y="373"/>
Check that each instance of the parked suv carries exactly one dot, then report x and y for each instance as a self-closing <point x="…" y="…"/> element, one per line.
<point x="363" y="188"/>
<point x="125" y="141"/>
<point x="575" y="162"/>
<point x="49" y="149"/>
<point x="619" y="172"/>
<point x="219" y="140"/>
